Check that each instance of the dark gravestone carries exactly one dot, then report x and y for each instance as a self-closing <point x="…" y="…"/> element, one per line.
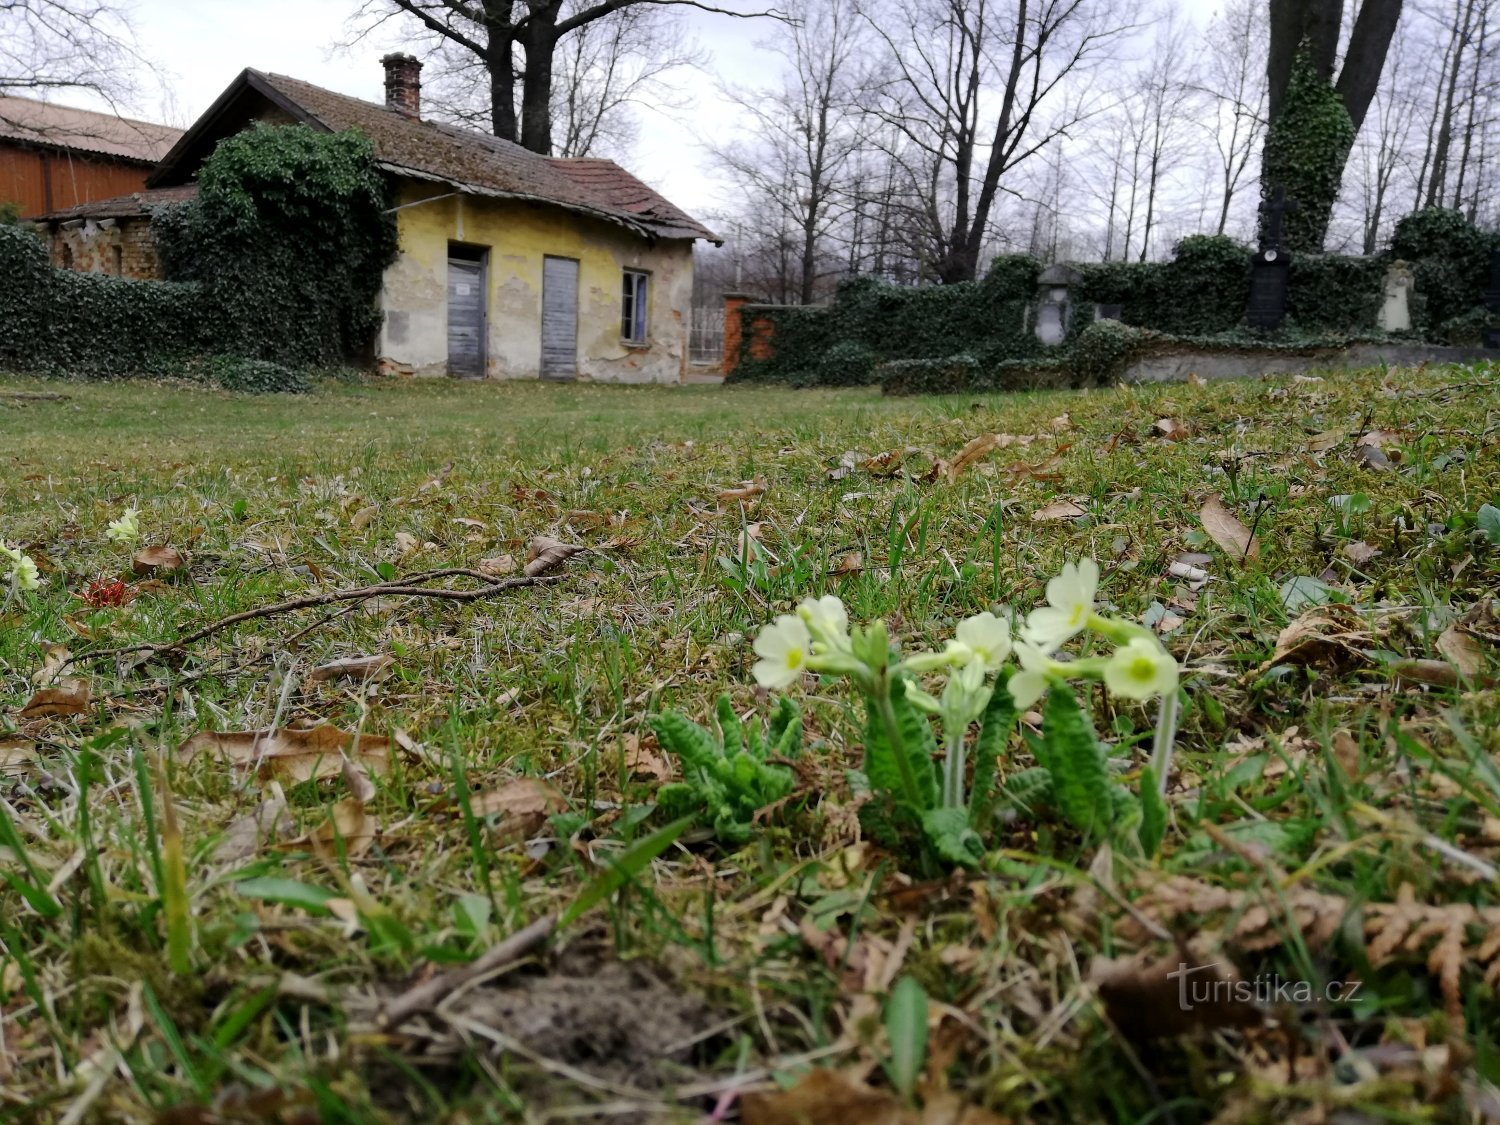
<point x="1492" y="299"/>
<point x="1108" y="312"/>
<point x="1270" y="269"/>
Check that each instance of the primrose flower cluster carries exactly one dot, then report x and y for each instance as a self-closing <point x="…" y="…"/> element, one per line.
<point x="817" y="638"/>
<point x="20" y="571"/>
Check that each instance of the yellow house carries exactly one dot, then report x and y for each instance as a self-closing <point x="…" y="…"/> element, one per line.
<point x="512" y="264"/>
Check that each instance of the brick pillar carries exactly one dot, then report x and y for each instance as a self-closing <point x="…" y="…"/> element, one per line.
<point x="734" y="329"/>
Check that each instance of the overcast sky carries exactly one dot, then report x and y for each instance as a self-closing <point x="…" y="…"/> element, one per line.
<point x="200" y="47"/>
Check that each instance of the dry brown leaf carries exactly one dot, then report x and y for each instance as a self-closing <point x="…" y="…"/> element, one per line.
<point x="1327" y="636"/>
<point x="67" y="697"/>
<point x="883" y="464"/>
<point x="1059" y="510"/>
<point x="1321" y="443"/>
<point x="1062" y="422"/>
<point x="751" y="535"/>
<point x="972" y="451"/>
<point x="291" y="755"/>
<point x="1379" y="439"/>
<point x="361" y="788"/>
<point x="1438" y="673"/>
<point x="1463" y="650"/>
<point x="157" y="560"/>
<point x="268" y="822"/>
<point x="437" y="481"/>
<point x="1225" y="529"/>
<point x="1196" y="380"/>
<point x="745" y="491"/>
<point x="348" y="821"/>
<point x="406" y="543"/>
<point x="645" y="761"/>
<point x="1360" y="553"/>
<point x="522" y="805"/>
<point x="352" y="668"/>
<point x="498" y="567"/>
<point x="474" y="525"/>
<point x="55" y="661"/>
<point x="16" y="754"/>
<point x="364" y="517"/>
<point x="1174" y="429"/>
<point x="852" y="562"/>
<point x="545" y="554"/>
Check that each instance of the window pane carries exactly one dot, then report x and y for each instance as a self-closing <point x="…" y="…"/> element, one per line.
<point x="640" y="307"/>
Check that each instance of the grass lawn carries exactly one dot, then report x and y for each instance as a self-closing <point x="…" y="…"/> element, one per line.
<point x="223" y="925"/>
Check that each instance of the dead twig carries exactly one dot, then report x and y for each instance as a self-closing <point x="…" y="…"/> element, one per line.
<point x="404" y="588"/>
<point x="34" y="396"/>
<point x="430" y="993"/>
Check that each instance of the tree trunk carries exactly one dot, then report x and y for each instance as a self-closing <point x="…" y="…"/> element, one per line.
<point x="1445" y="126"/>
<point x="1374" y="28"/>
<point x="1294" y="21"/>
<point x="502" y="71"/>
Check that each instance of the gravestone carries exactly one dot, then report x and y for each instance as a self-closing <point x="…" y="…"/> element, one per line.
<point x="1109" y="312"/>
<point x="1492" y="299"/>
<point x="1054" y="305"/>
<point x="1270" y="268"/>
<point x="1395" y="308"/>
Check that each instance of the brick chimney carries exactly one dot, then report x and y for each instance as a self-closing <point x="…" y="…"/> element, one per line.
<point x="403" y="84"/>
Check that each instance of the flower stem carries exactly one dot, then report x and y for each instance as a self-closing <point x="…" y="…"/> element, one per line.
<point x="953" y="768"/>
<point x="1166" y="738"/>
<point x="887" y="712"/>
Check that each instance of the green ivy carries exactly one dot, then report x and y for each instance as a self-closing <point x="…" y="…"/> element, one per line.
<point x="1450" y="259"/>
<point x="1330" y="292"/>
<point x="1204" y="288"/>
<point x="289" y="236"/>
<point x="1305" y="152"/>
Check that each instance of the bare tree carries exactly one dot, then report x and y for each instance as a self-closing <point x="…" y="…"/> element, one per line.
<point x="977" y="87"/>
<point x="51" y="46"/>
<point x="605" y="70"/>
<point x="1234" y="75"/>
<point x="516" y="42"/>
<point x="1165" y="92"/>
<point x="802" y="134"/>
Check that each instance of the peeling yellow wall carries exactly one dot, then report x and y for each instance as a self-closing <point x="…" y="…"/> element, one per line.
<point x="518" y="235"/>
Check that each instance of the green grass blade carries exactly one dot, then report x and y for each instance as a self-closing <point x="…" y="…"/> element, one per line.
<point x="633" y="860"/>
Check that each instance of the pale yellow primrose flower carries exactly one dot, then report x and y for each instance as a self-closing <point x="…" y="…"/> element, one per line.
<point x="1028" y="685"/>
<point x="1140" y="670"/>
<point x="987" y="637"/>
<point x="1070" y="600"/>
<point x="23" y="570"/>
<point x="126" y="529"/>
<point x="783" y="649"/>
<point x="827" y="621"/>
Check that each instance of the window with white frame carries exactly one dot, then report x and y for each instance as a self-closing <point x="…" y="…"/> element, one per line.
<point x="633" y="306"/>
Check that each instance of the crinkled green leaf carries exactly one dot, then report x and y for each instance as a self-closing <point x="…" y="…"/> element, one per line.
<point x="1080" y="778"/>
<point x="919" y="745"/>
<point x="949" y="833"/>
<point x="999" y="719"/>
<point x="1153" y="814"/>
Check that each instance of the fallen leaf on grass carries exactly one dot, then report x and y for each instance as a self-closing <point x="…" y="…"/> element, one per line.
<point x="1321" y="443"/>
<point x="1225" y="529"/>
<point x="348" y="821"/>
<point x="522" y="805"/>
<point x="1379" y="439"/>
<point x="1174" y="429"/>
<point x="847" y="464"/>
<point x="1327" y="636"/>
<point x="268" y="822"/>
<point x="352" y="668"/>
<point x="744" y="491"/>
<point x="1360" y="553"/>
<point x="437" y="481"/>
<point x="291" y="755"/>
<point x="831" y="1097"/>
<point x="16" y="754"/>
<point x="157" y="560"/>
<point x="641" y="761"/>
<point x="498" y="567"/>
<point x="851" y="562"/>
<point x="364" y="517"/>
<point x="406" y="543"/>
<point x="1462" y="649"/>
<point x="972" y="451"/>
<point x="66" y="698"/>
<point x="1438" y="673"/>
<point x="545" y="554"/>
<point x="1059" y="510"/>
<point x="55" y="661"/>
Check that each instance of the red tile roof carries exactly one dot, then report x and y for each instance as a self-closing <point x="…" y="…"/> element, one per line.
<point x="486" y="165"/>
<point x="83" y="130"/>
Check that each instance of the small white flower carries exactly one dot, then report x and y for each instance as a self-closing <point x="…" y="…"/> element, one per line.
<point x="22" y="569"/>
<point x="126" y="529"/>
<point x="1070" y="600"/>
<point x="1029" y="684"/>
<point x="987" y="636"/>
<point x="1140" y="670"/>
<point x="783" y="649"/>
<point x="827" y="620"/>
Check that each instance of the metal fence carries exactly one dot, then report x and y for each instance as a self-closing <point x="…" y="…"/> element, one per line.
<point x="706" y="335"/>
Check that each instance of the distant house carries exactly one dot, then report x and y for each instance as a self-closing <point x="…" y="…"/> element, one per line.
<point x="511" y="264"/>
<point x="53" y="156"/>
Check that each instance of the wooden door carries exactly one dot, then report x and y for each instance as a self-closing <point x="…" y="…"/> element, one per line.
<point x="559" y="318"/>
<point x="465" y="318"/>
